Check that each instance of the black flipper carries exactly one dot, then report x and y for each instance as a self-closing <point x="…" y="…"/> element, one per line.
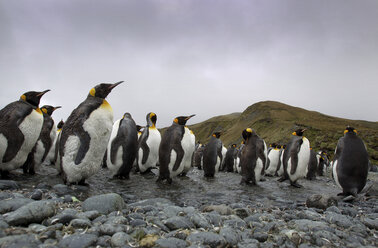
<point x="180" y="155"/>
<point x="15" y="140"/>
<point x="294" y="156"/>
<point x="84" y="146"/>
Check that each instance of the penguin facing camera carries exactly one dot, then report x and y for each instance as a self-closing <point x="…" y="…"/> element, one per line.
<point x="212" y="155"/>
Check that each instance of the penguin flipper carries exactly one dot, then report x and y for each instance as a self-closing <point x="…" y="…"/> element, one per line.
<point x="261" y="155"/>
<point x="180" y="155"/>
<point x="146" y="151"/>
<point x="116" y="143"/>
<point x="15" y="140"/>
<point x="84" y="146"/>
<point x="294" y="156"/>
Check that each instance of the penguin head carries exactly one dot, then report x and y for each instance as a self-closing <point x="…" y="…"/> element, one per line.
<point x="151" y="119"/>
<point x="48" y="109"/>
<point x="273" y="145"/>
<point x="247" y="133"/>
<point x="350" y="130"/>
<point x="102" y="90"/>
<point x="126" y="115"/>
<point x="299" y="132"/>
<point x="233" y="145"/>
<point x="60" y="124"/>
<point x="33" y="97"/>
<point x="217" y="134"/>
<point x="181" y="120"/>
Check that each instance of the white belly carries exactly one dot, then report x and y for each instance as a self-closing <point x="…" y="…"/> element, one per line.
<point x="99" y="126"/>
<point x="188" y="145"/>
<point x="334" y="172"/>
<point x="153" y="142"/>
<point x="31" y="128"/>
<point x="217" y="165"/>
<point x="303" y="159"/>
<point x="258" y="169"/>
<point x="274" y="158"/>
<point x="118" y="159"/>
<point x="50" y="156"/>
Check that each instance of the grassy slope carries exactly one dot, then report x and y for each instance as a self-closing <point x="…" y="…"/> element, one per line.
<point x="274" y="122"/>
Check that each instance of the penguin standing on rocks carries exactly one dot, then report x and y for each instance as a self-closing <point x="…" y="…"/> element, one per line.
<point x="351" y="163"/>
<point x="295" y="158"/>
<point x="312" y="165"/>
<point x="273" y="160"/>
<point x="253" y="157"/>
<point x="212" y="155"/>
<point x="45" y="141"/>
<point x="230" y="158"/>
<point x="197" y="156"/>
<point x="122" y="147"/>
<point x="56" y="152"/>
<point x="148" y="145"/>
<point x="188" y="157"/>
<point x="323" y="163"/>
<point x="173" y="147"/>
<point x="20" y="125"/>
<point x="280" y="169"/>
<point x="237" y="167"/>
<point x="85" y="136"/>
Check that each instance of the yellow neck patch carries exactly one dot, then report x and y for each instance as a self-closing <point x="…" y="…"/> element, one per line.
<point x="59" y="130"/>
<point x="23" y="97"/>
<point x="92" y="92"/>
<point x="214" y="135"/>
<point x="39" y="110"/>
<point x="153" y="126"/>
<point x="44" y="110"/>
<point x="175" y="120"/>
<point x="294" y="133"/>
<point x="106" y="105"/>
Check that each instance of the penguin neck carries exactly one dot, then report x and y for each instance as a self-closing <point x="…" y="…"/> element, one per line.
<point x="106" y="105"/>
<point x="152" y="126"/>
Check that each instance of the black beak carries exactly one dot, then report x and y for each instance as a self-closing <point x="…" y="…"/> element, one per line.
<point x="57" y="107"/>
<point x="187" y="118"/>
<point x="42" y="93"/>
<point x="114" y="85"/>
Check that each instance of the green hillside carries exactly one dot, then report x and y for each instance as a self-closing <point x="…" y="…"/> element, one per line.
<point x="275" y="121"/>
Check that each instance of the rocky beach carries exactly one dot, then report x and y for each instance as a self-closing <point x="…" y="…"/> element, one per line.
<point x="40" y="211"/>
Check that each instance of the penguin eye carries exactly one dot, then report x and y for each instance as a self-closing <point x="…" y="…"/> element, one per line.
<point x="92" y="92"/>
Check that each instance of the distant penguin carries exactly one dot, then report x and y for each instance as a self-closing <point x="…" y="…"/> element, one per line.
<point x="122" y="147"/>
<point x="50" y="159"/>
<point x="230" y="158"/>
<point x="312" y="165"/>
<point x="139" y="128"/>
<point x="224" y="151"/>
<point x="323" y="163"/>
<point x="58" y="134"/>
<point x="174" y="145"/>
<point x="212" y="155"/>
<point x="273" y="160"/>
<point x="295" y="158"/>
<point x="237" y="168"/>
<point x="197" y="157"/>
<point x="45" y="141"/>
<point x="85" y="136"/>
<point x="253" y="157"/>
<point x="351" y="163"/>
<point x="280" y="169"/>
<point x="20" y="125"/>
<point x="187" y="160"/>
<point x="148" y="145"/>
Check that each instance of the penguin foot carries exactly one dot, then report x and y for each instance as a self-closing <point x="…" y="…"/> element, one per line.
<point x="82" y="183"/>
<point x="4" y="174"/>
<point x="281" y="179"/>
<point x="263" y="179"/>
<point x="296" y="185"/>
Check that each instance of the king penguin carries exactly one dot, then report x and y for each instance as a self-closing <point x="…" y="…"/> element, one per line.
<point x="351" y="163"/>
<point x="237" y="168"/>
<point x="295" y="158"/>
<point x="44" y="143"/>
<point x="280" y="169"/>
<point x="148" y="145"/>
<point x="230" y="158"/>
<point x="253" y="157"/>
<point x="323" y="162"/>
<point x="312" y="165"/>
<point x="173" y="148"/>
<point x="58" y="134"/>
<point x="20" y="125"/>
<point x="197" y="156"/>
<point x="85" y="136"/>
<point x="273" y="160"/>
<point x="212" y="155"/>
<point x="188" y="157"/>
<point x="122" y="147"/>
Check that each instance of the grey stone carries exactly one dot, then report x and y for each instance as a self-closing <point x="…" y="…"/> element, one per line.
<point x="235" y="223"/>
<point x="17" y="241"/>
<point x="108" y="229"/>
<point x="308" y="214"/>
<point x="178" y="222"/>
<point x="214" y="218"/>
<point x="207" y="238"/>
<point x="334" y="209"/>
<point x="138" y="223"/>
<point x="104" y="241"/>
<point x="114" y="220"/>
<point x="13" y="204"/>
<point x="5" y="195"/>
<point x="156" y="202"/>
<point x="230" y="235"/>
<point x="37" y="195"/>
<point x="64" y="217"/>
<point x="170" y="243"/>
<point x="309" y="225"/>
<point x="91" y="215"/>
<point x="100" y="219"/>
<point x="133" y="216"/>
<point x="104" y="204"/>
<point x="242" y="212"/>
<point x="33" y="212"/>
<point x="80" y="223"/>
<point x="67" y="198"/>
<point x="43" y="186"/>
<point x="8" y="184"/>
<point x="261" y="237"/>
<point x="3" y="224"/>
<point x="248" y="243"/>
<point x="338" y="219"/>
<point x="179" y="234"/>
<point x="62" y="189"/>
<point x="221" y="209"/>
<point x="371" y="223"/>
<point x="78" y="241"/>
<point x="36" y="228"/>
<point x="199" y="221"/>
<point x="321" y="201"/>
<point x="120" y="239"/>
<point x="171" y="211"/>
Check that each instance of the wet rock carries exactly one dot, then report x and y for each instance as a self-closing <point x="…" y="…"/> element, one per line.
<point x="230" y="235"/>
<point x="248" y="243"/>
<point x="156" y="202"/>
<point x="62" y="189"/>
<point x="199" y="221"/>
<point x="221" y="209"/>
<point x="214" y="218"/>
<point x="16" y="241"/>
<point x="261" y="237"/>
<point x="91" y="215"/>
<point x="309" y="225"/>
<point x="64" y="217"/>
<point x="8" y="184"/>
<point x="236" y="223"/>
<point x="338" y="219"/>
<point x="120" y="239"/>
<point x="178" y="222"/>
<point x="80" y="223"/>
<point x="78" y="241"/>
<point x="149" y="240"/>
<point x="108" y="229"/>
<point x="242" y="212"/>
<point x="5" y="195"/>
<point x="104" y="204"/>
<point x="37" y="195"/>
<point x="138" y="223"/>
<point x="10" y="205"/>
<point x="371" y="223"/>
<point x="333" y="209"/>
<point x="170" y="243"/>
<point x="36" y="228"/>
<point x="33" y="212"/>
<point x="104" y="241"/>
<point x="321" y="201"/>
<point x="207" y="238"/>
<point x="3" y="224"/>
<point x="171" y="211"/>
<point x="43" y="186"/>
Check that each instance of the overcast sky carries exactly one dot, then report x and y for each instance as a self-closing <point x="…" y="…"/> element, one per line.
<point x="193" y="57"/>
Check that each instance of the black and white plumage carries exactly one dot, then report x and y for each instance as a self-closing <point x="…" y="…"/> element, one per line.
<point x="85" y="135"/>
<point x="212" y="155"/>
<point x="173" y="147"/>
<point x="187" y="160"/>
<point x="312" y="165"/>
<point x="122" y="147"/>
<point x="45" y="143"/>
<point x="273" y="160"/>
<point x="351" y="163"/>
<point x="20" y="125"/>
<point x="230" y="158"/>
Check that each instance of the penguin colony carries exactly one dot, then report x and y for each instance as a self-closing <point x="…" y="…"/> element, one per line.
<point x="77" y="147"/>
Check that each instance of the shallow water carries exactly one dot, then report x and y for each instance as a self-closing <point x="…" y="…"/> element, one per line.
<point x="192" y="190"/>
